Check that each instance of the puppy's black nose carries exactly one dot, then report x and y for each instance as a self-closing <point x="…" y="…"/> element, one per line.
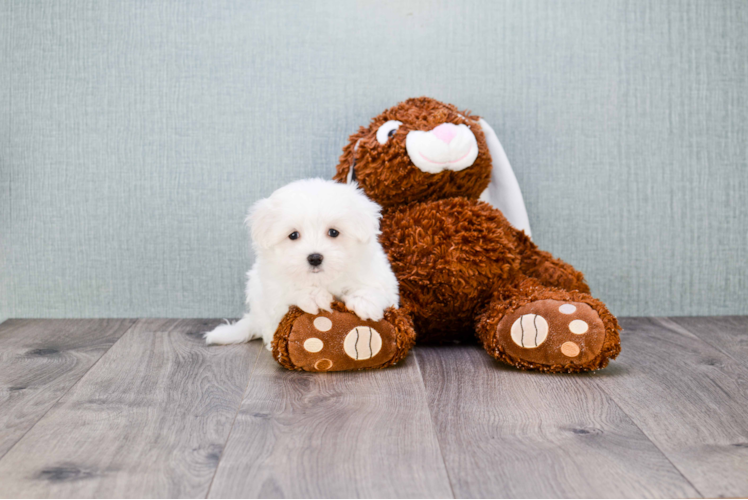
<point x="314" y="259"/>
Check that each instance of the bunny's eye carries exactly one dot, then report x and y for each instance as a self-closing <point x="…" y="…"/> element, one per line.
<point x="387" y="130"/>
<point x="294" y="236"/>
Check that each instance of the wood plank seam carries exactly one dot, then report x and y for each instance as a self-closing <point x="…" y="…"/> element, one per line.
<point x="583" y="448"/>
<point x="325" y="430"/>
<point x="685" y="332"/>
<point x="414" y="353"/>
<point x="684" y="329"/>
<point x="636" y="424"/>
<point x="238" y="409"/>
<point x="133" y="322"/>
<point x="162" y="398"/>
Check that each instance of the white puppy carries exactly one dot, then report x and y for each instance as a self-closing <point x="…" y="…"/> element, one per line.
<point x="313" y="240"/>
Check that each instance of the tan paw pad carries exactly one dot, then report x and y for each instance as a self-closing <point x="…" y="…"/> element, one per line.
<point x="362" y="343"/>
<point x="552" y="333"/>
<point x="529" y="331"/>
<point x="336" y="341"/>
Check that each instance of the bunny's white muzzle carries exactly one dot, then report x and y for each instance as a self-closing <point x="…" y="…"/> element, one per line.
<point x="446" y="147"/>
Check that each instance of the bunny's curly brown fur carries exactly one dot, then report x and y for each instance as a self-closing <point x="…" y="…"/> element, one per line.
<point x="461" y="266"/>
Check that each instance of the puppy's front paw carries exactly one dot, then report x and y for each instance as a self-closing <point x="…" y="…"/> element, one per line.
<point x="365" y="307"/>
<point x="308" y="305"/>
<point x="316" y="299"/>
<point x="323" y="299"/>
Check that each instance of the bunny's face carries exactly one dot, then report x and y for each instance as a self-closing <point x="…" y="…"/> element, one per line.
<point x="419" y="150"/>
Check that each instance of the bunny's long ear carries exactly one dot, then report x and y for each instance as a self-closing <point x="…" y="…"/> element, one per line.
<point x="503" y="191"/>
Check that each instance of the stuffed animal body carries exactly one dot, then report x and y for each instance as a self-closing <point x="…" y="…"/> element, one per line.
<point x="456" y="232"/>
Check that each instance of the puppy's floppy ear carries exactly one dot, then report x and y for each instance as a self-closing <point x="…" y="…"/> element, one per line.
<point x="263" y="223"/>
<point x="362" y="219"/>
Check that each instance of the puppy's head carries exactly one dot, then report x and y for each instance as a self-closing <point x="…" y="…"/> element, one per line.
<point x="314" y="229"/>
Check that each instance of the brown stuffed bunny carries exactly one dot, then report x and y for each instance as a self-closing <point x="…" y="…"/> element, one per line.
<point x="463" y="269"/>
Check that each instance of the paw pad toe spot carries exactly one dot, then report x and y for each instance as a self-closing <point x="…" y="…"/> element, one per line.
<point x="313" y="344"/>
<point x="322" y="323"/>
<point x="323" y="365"/>
<point x="567" y="309"/>
<point x="578" y="326"/>
<point x="570" y="349"/>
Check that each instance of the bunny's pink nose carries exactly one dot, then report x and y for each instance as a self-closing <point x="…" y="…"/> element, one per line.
<point x="445" y="132"/>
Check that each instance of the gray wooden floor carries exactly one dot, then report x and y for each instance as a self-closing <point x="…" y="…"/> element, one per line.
<point x="142" y="408"/>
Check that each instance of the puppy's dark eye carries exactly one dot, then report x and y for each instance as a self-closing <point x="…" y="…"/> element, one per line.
<point x="391" y="132"/>
<point x="333" y="233"/>
<point x="294" y="236"/>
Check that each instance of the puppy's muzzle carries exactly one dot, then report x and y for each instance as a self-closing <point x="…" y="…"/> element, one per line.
<point x="315" y="259"/>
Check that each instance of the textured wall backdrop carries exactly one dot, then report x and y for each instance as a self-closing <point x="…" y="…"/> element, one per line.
<point x="134" y="135"/>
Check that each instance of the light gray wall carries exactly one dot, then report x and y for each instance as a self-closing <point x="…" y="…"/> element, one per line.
<point x="134" y="135"/>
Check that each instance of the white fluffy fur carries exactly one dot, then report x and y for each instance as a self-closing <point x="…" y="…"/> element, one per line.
<point x="355" y="268"/>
